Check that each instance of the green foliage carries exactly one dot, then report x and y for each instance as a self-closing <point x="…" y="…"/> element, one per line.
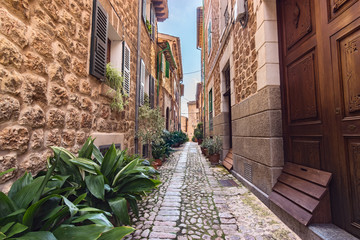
<point x="193" y="139"/>
<point x="115" y="81"/>
<point x="206" y="143"/>
<point x="148" y="26"/>
<point x="111" y="181"/>
<point x="42" y="207"/>
<point x="198" y="131"/>
<point x="215" y="145"/>
<point x="151" y="124"/>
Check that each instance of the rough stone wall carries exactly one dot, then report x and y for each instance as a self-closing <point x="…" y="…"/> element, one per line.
<point x="47" y="96"/>
<point x="245" y="57"/>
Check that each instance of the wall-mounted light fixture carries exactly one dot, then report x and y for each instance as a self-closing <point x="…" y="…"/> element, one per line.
<point x="241" y="13"/>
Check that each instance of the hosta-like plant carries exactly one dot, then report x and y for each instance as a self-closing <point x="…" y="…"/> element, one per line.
<point x="111" y="181"/>
<point x="42" y="208"/>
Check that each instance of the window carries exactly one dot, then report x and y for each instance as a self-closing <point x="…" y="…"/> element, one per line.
<point x="144" y="10"/>
<point x="210" y="110"/>
<point x="107" y="47"/>
<point x="152" y="21"/>
<point x="209" y="37"/>
<point x="151" y="91"/>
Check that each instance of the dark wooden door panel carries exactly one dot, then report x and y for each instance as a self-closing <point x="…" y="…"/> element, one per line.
<point x="320" y="81"/>
<point x="346" y="73"/>
<point x="302" y="89"/>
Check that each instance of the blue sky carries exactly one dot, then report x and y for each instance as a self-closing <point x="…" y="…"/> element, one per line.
<point x="182" y="23"/>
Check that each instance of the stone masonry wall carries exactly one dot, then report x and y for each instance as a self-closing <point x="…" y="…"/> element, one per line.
<point x="46" y="94"/>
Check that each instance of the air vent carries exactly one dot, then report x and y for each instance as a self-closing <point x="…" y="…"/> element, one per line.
<point x="248" y="172"/>
<point x="104" y="148"/>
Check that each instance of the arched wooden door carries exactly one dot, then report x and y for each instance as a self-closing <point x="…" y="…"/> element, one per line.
<point x="320" y="80"/>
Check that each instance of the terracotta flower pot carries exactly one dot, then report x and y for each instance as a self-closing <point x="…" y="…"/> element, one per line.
<point x="199" y="141"/>
<point x="203" y="151"/>
<point x="214" y="158"/>
<point x="158" y="162"/>
<point x="206" y="152"/>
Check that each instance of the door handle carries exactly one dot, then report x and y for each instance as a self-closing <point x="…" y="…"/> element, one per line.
<point x="337" y="111"/>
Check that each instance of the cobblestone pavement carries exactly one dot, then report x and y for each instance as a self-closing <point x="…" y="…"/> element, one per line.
<point x="192" y="204"/>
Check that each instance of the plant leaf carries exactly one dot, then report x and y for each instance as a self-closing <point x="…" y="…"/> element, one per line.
<point x="97" y="154"/>
<point x="88" y="232"/>
<point x="37" y="236"/>
<point x="72" y="208"/>
<point x="95" y="184"/>
<point x="25" y="180"/>
<point x="139" y="185"/>
<point x="26" y="195"/>
<point x="87" y="149"/>
<point x="108" y="161"/>
<point x="128" y="167"/>
<point x="116" y="233"/>
<point x="6" y="205"/>
<point x="97" y="218"/>
<point x="15" y="229"/>
<point x="31" y="211"/>
<point x="119" y="207"/>
<point x="11" y="217"/>
<point x="6" y="172"/>
<point x="85" y="164"/>
<point x="5" y="228"/>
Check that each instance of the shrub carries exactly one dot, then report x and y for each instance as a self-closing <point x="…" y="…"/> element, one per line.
<point x="115" y="81"/>
<point x="198" y="131"/>
<point x="215" y="145"/>
<point x="193" y="139"/>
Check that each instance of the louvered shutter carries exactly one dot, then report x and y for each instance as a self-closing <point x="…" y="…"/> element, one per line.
<point x="151" y="91"/>
<point x="144" y="10"/>
<point x="142" y="83"/>
<point x="152" y="21"/>
<point x="167" y="69"/>
<point x="98" y="41"/>
<point x="126" y="68"/>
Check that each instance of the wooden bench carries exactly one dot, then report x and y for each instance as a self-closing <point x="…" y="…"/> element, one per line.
<point x="228" y="161"/>
<point x="303" y="193"/>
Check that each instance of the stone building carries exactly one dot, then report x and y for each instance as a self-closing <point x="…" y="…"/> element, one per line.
<point x="193" y="118"/>
<point x="170" y="76"/>
<point x="281" y="86"/>
<point x="53" y="55"/>
<point x="184" y="124"/>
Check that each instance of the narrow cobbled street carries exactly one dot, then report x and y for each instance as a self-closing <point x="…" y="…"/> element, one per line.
<point x="197" y="201"/>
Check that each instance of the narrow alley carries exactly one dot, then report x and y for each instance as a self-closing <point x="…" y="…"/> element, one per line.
<point x="197" y="201"/>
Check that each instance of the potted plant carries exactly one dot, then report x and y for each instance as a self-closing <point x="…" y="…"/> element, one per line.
<point x="204" y="146"/>
<point x="158" y="151"/>
<point x="215" y="147"/>
<point x="198" y="133"/>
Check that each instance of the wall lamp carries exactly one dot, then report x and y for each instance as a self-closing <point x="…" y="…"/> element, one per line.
<point x="241" y="12"/>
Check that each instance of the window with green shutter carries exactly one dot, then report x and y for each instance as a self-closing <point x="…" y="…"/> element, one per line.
<point x="209" y="37"/>
<point x="167" y="69"/>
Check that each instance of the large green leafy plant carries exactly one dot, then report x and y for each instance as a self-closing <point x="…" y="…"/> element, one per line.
<point x="43" y="208"/>
<point x="198" y="131"/>
<point x="110" y="181"/>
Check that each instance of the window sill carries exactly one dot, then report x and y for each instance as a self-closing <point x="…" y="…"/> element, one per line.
<point x="107" y="91"/>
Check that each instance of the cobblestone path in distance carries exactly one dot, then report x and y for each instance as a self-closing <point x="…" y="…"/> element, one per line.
<point x="192" y="204"/>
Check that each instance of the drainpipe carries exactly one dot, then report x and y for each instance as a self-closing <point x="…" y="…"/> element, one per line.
<point x="137" y="103"/>
<point x="204" y="125"/>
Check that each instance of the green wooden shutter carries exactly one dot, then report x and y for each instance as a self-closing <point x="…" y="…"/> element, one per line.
<point x="144" y="10"/>
<point x="99" y="37"/>
<point x="167" y="70"/>
<point x="210" y="101"/>
<point x="209" y="37"/>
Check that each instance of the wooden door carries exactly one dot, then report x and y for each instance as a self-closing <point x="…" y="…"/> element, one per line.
<point x="320" y="81"/>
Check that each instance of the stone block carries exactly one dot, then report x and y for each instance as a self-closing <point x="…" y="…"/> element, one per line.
<point x="42" y="44"/>
<point x="35" y="63"/>
<point x="267" y="151"/>
<point x="86" y="120"/>
<point x="268" y="53"/>
<point x="81" y="137"/>
<point x="63" y="56"/>
<point x="7" y="162"/>
<point x="14" y="29"/>
<point x="10" y="82"/>
<point x="58" y="96"/>
<point x="56" y="73"/>
<point x="240" y="110"/>
<point x="51" y="8"/>
<point x="33" y="117"/>
<point x="79" y="68"/>
<point x="55" y="118"/>
<point x="53" y="138"/>
<point x="37" y="139"/>
<point x="268" y="98"/>
<point x="263" y="177"/>
<point x="9" y="108"/>
<point x="72" y="118"/>
<point x="68" y="138"/>
<point x="20" y="7"/>
<point x="33" y="163"/>
<point x="267" y="32"/>
<point x="9" y="54"/>
<point x="266" y="12"/>
<point x="34" y="90"/>
<point x="14" y="138"/>
<point x="268" y="74"/>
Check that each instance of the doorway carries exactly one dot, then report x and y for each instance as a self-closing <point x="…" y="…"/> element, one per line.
<point x="227" y="100"/>
<point x="320" y="83"/>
